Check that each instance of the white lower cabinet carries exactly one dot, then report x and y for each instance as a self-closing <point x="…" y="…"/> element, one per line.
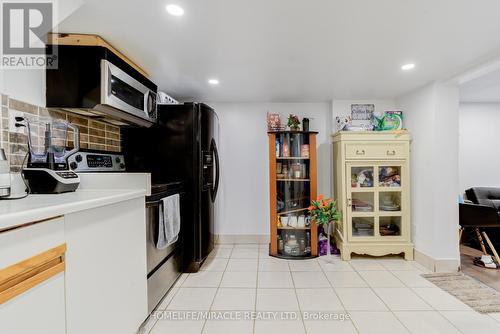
<point x="78" y="274"/>
<point x="106" y="286"/>
<point x="39" y="310"/>
<point x="32" y="289"/>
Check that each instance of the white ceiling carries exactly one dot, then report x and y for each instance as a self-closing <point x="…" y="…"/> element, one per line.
<point x="295" y="50"/>
<point x="485" y="89"/>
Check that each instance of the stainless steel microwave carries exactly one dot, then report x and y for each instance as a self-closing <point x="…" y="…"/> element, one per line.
<point x="119" y="90"/>
<point x="95" y="82"/>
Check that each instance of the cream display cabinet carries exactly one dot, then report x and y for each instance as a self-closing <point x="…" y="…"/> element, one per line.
<point x="372" y="187"/>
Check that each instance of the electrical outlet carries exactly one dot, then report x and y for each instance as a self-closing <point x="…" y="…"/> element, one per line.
<point x="12" y="122"/>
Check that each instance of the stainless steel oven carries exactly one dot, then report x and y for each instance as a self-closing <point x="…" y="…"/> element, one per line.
<point x="164" y="266"/>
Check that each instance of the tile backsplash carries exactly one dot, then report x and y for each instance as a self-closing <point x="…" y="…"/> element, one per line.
<point x="94" y="134"/>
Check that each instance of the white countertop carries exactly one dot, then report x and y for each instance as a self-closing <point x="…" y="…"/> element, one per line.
<point x="40" y="207"/>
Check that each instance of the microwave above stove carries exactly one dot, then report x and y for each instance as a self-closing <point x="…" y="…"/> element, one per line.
<point x="94" y="81"/>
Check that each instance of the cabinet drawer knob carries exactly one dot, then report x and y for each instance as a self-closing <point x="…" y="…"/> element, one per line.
<point x="393" y="152"/>
<point x="360" y="152"/>
<point x="349" y="202"/>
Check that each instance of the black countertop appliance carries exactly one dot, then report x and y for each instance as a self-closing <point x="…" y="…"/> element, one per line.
<point x="182" y="147"/>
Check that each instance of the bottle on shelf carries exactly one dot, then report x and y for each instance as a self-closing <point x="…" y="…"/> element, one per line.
<point x="285" y="149"/>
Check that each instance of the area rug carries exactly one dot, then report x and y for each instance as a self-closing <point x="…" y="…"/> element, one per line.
<point x="477" y="295"/>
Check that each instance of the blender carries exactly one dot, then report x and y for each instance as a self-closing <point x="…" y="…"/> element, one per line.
<point x="47" y="171"/>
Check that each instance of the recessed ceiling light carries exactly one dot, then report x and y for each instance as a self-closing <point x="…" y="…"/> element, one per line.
<point x="175" y="10"/>
<point x="213" y="81"/>
<point x="407" y="67"/>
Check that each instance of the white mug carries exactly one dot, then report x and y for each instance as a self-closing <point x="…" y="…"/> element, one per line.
<point x="301" y="221"/>
<point x="293" y="222"/>
<point x="284" y="220"/>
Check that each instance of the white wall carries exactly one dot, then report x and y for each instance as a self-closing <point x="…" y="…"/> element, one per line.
<point x="244" y="193"/>
<point x="431" y="115"/>
<point x="29" y="85"/>
<point x="479" y="160"/>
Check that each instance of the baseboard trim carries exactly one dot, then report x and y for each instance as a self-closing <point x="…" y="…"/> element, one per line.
<point x="241" y="239"/>
<point x="436" y="265"/>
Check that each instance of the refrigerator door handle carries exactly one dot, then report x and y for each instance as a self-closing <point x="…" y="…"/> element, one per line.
<point x="217" y="171"/>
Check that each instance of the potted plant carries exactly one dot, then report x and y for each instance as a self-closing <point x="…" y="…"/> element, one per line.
<point x="293" y="122"/>
<point x="324" y="212"/>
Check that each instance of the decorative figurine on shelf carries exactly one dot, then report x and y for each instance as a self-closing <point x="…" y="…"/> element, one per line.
<point x="293" y="122"/>
<point x="341" y="122"/>
<point x="324" y="212"/>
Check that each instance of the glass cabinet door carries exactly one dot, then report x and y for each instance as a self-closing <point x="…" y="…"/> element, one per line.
<point x="391" y="200"/>
<point x="362" y="201"/>
<point x="375" y="200"/>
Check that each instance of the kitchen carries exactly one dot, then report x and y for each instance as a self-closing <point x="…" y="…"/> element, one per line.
<point x="174" y="170"/>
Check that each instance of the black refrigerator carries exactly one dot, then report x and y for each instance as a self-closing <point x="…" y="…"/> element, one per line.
<point x="182" y="147"/>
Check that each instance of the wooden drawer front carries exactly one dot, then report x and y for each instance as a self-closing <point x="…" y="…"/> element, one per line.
<point x="376" y="151"/>
<point x="25" y="275"/>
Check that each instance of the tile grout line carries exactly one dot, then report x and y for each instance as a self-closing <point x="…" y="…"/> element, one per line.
<point x="256" y="286"/>
<point x="216" y="291"/>
<point x="413" y="291"/>
<point x="390" y="310"/>
<point x="340" y="300"/>
<point x="296" y="296"/>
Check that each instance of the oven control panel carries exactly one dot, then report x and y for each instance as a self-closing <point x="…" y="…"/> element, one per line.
<point x="88" y="161"/>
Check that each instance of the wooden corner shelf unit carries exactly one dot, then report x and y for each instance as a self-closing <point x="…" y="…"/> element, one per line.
<point x="292" y="185"/>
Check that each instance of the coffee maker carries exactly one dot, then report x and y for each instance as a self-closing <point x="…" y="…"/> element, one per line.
<point x="47" y="171"/>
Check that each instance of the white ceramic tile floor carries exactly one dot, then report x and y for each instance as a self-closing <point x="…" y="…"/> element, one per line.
<point x="219" y="252"/>
<point x="228" y="299"/>
<point x="228" y="327"/>
<point x="381" y="279"/>
<point x="242" y="265"/>
<point x="275" y="279"/>
<point x="273" y="264"/>
<point x="239" y="279"/>
<point x="307" y="279"/>
<point x="245" y="253"/>
<point x="360" y="299"/>
<point x="426" y="322"/>
<point x="376" y="296"/>
<point x="471" y="322"/>
<point x="276" y="300"/>
<point x="402" y="299"/>
<point x="377" y="323"/>
<point x="281" y="326"/>
<point x="189" y="299"/>
<point x="330" y="327"/>
<point x="441" y="300"/>
<point x="318" y="299"/>
<point x="203" y="279"/>
<point x="345" y="279"/>
<point x="304" y="265"/>
<point x="413" y="279"/>
<point x="214" y="264"/>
